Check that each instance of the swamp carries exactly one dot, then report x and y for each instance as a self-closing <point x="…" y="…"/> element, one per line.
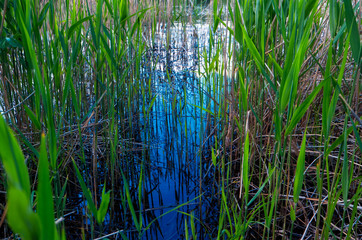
<point x="175" y="119"/>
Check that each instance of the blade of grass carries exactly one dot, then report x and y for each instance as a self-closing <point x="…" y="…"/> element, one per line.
<point x="45" y="207"/>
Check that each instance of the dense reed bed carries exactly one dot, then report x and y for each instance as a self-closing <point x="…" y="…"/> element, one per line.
<point x="250" y="108"/>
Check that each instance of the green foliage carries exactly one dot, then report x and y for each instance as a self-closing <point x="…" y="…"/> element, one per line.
<point x="246" y="167"/>
<point x="100" y="213"/>
<point x="21" y="218"/>
<point x="13" y="161"/>
<point x="353" y="28"/>
<point x="103" y="208"/>
<point x="68" y="68"/>
<point x="299" y="172"/>
<point x="45" y="206"/>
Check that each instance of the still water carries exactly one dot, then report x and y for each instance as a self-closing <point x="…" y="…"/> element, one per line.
<point x="178" y="133"/>
<point x="174" y="135"/>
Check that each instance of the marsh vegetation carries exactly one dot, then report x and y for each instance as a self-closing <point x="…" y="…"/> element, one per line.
<point x="233" y="119"/>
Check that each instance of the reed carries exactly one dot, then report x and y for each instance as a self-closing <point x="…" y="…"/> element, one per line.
<point x="263" y="120"/>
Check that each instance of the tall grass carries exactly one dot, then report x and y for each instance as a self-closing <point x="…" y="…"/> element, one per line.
<point x="276" y="108"/>
<point x="283" y="64"/>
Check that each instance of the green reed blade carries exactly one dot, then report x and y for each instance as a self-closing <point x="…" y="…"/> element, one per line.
<point x="353" y="28"/>
<point x="213" y="157"/>
<point x="261" y="188"/>
<point x="333" y="16"/>
<point x="338" y="141"/>
<point x="13" y="160"/>
<point x="86" y="191"/>
<point x="186" y="230"/>
<point x="33" y="117"/>
<point x="21" y="218"/>
<point x="253" y="50"/>
<point x="102" y="211"/>
<point x="345" y="179"/>
<point x="45" y="207"/>
<point x="172" y="210"/>
<point x="302" y="109"/>
<point x="357" y="135"/>
<point x="245" y="170"/>
<point x="77" y="24"/>
<point x="130" y="204"/>
<point x="244" y="93"/>
<point x="64" y="44"/>
<point x="327" y="92"/>
<point x="299" y="171"/>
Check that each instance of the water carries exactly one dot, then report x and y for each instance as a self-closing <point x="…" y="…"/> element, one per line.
<point x="172" y="143"/>
<point x="177" y="133"/>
